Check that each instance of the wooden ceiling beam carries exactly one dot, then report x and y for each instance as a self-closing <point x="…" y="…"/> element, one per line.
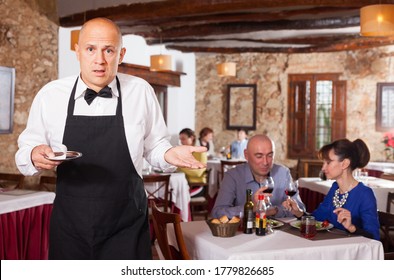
<point x="239" y="28"/>
<point x="247" y="16"/>
<point x="177" y="22"/>
<point x="174" y="8"/>
<point x="355" y="44"/>
<point x="313" y="39"/>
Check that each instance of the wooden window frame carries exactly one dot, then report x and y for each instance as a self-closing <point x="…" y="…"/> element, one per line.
<point x="301" y="129"/>
<point x="382" y="88"/>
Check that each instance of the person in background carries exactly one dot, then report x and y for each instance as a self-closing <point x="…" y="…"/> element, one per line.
<point x="349" y="204"/>
<point x="188" y="137"/>
<point x="259" y="153"/>
<point x="238" y="146"/>
<point x="206" y="140"/>
<point x="100" y="210"/>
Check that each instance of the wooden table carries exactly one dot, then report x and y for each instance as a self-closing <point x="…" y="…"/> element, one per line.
<point x="24" y="224"/>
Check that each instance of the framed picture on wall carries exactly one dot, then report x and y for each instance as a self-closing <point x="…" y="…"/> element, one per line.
<point x="241" y="106"/>
<point x="385" y="106"/>
<point x="7" y="91"/>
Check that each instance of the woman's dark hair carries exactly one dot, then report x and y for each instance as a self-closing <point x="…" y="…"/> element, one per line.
<point x="357" y="152"/>
<point x="190" y="133"/>
<point x="205" y="131"/>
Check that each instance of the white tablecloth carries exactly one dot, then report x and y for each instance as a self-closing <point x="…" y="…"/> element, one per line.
<point x="214" y="180"/>
<point x="202" y="245"/>
<point x="16" y="200"/>
<point x="380" y="187"/>
<point x="387" y="167"/>
<point x="180" y="193"/>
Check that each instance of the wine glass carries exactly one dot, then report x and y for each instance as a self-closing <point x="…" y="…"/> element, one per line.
<point x="291" y="188"/>
<point x="268" y="182"/>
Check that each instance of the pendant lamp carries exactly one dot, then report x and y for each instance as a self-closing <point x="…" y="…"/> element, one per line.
<point x="226" y="69"/>
<point x="160" y="62"/>
<point x="377" y="20"/>
<point x="74" y="39"/>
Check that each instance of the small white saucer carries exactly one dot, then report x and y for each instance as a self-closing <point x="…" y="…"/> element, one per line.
<point x="70" y="155"/>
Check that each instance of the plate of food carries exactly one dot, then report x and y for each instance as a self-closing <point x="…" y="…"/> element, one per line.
<point x="69" y="155"/>
<point x="319" y="225"/>
<point x="275" y="223"/>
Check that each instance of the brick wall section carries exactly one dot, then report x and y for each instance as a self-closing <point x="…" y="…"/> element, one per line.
<point x="29" y="43"/>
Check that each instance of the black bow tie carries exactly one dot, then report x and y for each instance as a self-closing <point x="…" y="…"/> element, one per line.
<point x="90" y="94"/>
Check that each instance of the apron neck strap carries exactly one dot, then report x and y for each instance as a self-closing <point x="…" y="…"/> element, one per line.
<point x="71" y="102"/>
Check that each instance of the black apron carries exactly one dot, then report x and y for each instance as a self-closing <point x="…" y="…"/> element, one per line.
<point x="100" y="210"/>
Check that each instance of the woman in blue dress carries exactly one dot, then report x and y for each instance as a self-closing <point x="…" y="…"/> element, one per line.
<point x="349" y="205"/>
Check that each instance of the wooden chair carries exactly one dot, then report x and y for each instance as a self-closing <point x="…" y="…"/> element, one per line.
<point x="387" y="176"/>
<point x="390" y="201"/>
<point x="160" y="221"/>
<point x="14" y="181"/>
<point x="47" y="183"/>
<point x="386" y="221"/>
<point x="310" y="167"/>
<point x="373" y="172"/>
<point x="199" y="204"/>
<point x="157" y="187"/>
<point x="229" y="164"/>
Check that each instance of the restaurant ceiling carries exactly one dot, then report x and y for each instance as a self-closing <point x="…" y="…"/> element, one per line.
<point x="234" y="26"/>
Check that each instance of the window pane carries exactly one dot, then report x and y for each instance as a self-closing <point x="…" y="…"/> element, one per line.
<point x="323" y="112"/>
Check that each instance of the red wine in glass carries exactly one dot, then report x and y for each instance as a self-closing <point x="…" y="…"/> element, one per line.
<point x="308" y="231"/>
<point x="269" y="190"/>
<point x="290" y="192"/>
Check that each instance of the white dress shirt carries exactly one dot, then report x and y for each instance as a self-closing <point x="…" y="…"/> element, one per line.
<point x="146" y="133"/>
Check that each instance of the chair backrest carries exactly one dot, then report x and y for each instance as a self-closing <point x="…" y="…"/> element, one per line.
<point x="48" y="182"/>
<point x="8" y="180"/>
<point x="228" y="164"/>
<point x="390" y="201"/>
<point x="373" y="172"/>
<point x="199" y="205"/>
<point x="157" y="188"/>
<point x="387" y="176"/>
<point x="207" y="175"/>
<point x="310" y="167"/>
<point x="160" y="221"/>
<point x="386" y="221"/>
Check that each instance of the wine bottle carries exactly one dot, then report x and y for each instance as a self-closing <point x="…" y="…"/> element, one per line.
<point x="261" y="217"/>
<point x="248" y="213"/>
<point x="229" y="153"/>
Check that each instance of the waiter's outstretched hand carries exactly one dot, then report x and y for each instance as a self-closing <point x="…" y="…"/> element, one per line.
<point x="181" y="156"/>
<point x="38" y="155"/>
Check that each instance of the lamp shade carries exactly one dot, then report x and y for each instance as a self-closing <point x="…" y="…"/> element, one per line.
<point x="74" y="39"/>
<point x="226" y="69"/>
<point x="377" y="20"/>
<point x="160" y="62"/>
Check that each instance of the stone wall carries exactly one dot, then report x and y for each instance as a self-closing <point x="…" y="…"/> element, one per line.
<point x="28" y="43"/>
<point x="361" y="69"/>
